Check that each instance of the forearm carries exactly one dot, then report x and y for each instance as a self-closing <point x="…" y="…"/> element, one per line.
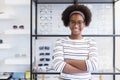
<point x="70" y="69"/>
<point x="79" y="64"/>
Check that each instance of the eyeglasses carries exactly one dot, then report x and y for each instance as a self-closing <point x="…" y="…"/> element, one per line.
<point x="73" y="23"/>
<point x="43" y="59"/>
<point x="45" y="18"/>
<point x="43" y="64"/>
<point x="45" y="53"/>
<point x="18" y="27"/>
<point x="44" y="48"/>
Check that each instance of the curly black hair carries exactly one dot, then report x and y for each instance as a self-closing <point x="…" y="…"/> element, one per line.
<point x="76" y="7"/>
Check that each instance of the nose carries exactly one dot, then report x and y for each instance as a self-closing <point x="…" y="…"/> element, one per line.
<point x="76" y="25"/>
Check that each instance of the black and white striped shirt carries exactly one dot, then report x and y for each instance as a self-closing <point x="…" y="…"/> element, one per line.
<point x="84" y="49"/>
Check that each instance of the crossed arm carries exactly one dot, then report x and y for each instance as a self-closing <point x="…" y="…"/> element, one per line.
<point x="72" y="66"/>
<point x="75" y="66"/>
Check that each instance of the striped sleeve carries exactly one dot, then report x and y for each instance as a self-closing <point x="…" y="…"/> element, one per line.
<point x="58" y="61"/>
<point x="92" y="61"/>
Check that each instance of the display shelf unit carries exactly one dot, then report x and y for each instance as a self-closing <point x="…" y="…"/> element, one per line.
<point x="5" y="46"/>
<point x="37" y="32"/>
<point x="6" y="16"/>
<point x="17" y="32"/>
<point x="18" y="61"/>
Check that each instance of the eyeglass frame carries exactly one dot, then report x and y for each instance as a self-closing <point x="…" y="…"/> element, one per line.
<point x="18" y="27"/>
<point x="47" y="53"/>
<point x="73" y="23"/>
<point x="44" y="59"/>
<point x="44" y="48"/>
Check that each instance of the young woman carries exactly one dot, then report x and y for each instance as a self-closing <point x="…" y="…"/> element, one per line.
<point x="76" y="56"/>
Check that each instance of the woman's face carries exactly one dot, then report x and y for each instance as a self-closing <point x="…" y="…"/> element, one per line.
<point x="76" y="24"/>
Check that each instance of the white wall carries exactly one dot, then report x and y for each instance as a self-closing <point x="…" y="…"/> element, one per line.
<point x="19" y="43"/>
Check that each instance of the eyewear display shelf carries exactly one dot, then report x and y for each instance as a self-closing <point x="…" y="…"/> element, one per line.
<point x="46" y="27"/>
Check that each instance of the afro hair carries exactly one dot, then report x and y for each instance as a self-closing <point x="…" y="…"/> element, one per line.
<point x="82" y="8"/>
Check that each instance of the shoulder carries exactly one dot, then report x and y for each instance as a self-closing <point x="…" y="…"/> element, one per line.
<point x="90" y="40"/>
<point x="61" y="39"/>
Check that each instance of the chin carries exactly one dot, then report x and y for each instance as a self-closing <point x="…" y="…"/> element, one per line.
<point x="76" y="33"/>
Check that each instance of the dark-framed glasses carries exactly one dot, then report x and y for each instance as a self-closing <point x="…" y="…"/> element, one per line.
<point x="18" y="27"/>
<point x="44" y="59"/>
<point x="47" y="53"/>
<point x="44" y="48"/>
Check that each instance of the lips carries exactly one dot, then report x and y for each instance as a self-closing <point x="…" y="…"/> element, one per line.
<point x="76" y="30"/>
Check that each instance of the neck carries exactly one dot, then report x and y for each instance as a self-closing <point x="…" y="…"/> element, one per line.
<point x="75" y="37"/>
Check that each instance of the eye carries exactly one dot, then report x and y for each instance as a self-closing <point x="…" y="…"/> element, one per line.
<point x="72" y="22"/>
<point x="80" y="22"/>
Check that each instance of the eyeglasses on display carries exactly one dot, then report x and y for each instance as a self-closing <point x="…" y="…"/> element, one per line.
<point x="44" y="48"/>
<point x="18" y="27"/>
<point x="45" y="53"/>
<point x="43" y="64"/>
<point x="44" y="59"/>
